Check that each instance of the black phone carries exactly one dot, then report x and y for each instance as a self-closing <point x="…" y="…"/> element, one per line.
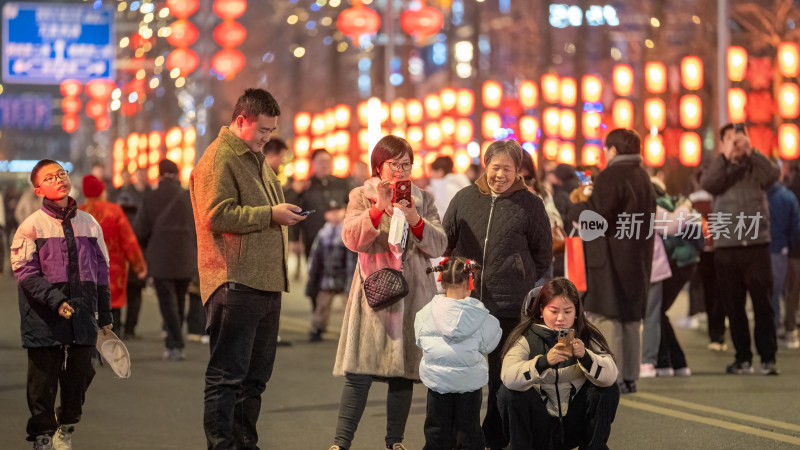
<point x="738" y="128"/>
<point x="304" y="213"/>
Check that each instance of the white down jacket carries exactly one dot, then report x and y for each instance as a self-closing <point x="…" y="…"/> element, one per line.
<point x="454" y="336"/>
<point x="557" y="386"/>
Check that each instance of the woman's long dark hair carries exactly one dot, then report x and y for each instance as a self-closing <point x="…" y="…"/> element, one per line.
<point x="584" y="330"/>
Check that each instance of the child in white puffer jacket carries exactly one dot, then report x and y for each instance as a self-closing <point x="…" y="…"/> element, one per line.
<point x="455" y="332"/>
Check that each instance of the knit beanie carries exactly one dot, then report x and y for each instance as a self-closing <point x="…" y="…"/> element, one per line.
<point x="93" y="186"/>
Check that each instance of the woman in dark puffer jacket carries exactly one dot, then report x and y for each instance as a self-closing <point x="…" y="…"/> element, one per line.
<point x="499" y="224"/>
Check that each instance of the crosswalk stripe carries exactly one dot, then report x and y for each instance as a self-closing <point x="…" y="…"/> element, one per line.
<point x="710" y="421"/>
<point x="718" y="411"/>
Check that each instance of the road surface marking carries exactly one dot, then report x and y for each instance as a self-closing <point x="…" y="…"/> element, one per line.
<point x="719" y="411"/>
<point x="709" y="421"/>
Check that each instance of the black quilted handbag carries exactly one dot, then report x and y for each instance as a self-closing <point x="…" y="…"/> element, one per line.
<point x="385" y="287"/>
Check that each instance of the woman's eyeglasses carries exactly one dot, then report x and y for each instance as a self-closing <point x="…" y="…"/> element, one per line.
<point x="398" y="166"/>
<point x="62" y="174"/>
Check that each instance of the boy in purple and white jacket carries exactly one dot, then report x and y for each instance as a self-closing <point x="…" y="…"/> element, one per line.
<point x="61" y="264"/>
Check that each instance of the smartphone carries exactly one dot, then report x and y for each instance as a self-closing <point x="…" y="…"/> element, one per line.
<point x="565" y="336"/>
<point x="305" y="213"/>
<point x="738" y="128"/>
<point x="402" y="191"/>
<point x="584" y="176"/>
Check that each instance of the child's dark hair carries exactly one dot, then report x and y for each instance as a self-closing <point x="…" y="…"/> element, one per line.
<point x="455" y="270"/>
<point x="592" y="338"/>
<point x="38" y="167"/>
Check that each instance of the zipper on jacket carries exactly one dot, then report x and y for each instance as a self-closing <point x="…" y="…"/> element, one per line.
<point x="560" y="414"/>
<point x="486" y="241"/>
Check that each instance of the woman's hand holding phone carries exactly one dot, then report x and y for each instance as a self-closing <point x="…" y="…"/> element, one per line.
<point x="559" y="353"/>
<point x="578" y="348"/>
<point x="412" y="216"/>
<point x="385" y="194"/>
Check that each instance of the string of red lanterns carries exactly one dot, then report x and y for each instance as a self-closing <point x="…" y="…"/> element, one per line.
<point x="183" y="34"/>
<point x="229" y="34"/>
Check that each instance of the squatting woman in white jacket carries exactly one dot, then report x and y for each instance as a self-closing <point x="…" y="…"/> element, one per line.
<point x="557" y="395"/>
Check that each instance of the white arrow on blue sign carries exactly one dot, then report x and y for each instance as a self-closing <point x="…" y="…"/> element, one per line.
<point x="45" y="43"/>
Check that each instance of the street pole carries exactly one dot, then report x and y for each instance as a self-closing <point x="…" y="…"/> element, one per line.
<point x="388" y="92"/>
<point x="723" y="41"/>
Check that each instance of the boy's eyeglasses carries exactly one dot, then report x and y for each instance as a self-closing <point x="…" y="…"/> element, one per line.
<point x="62" y="174"/>
<point x="398" y="166"/>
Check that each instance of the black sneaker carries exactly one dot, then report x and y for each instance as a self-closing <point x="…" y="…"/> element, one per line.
<point x="315" y="336"/>
<point x="740" y="368"/>
<point x="769" y="368"/>
<point x="627" y="387"/>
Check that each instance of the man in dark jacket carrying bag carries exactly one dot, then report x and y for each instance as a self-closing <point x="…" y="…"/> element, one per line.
<point x="618" y="263"/>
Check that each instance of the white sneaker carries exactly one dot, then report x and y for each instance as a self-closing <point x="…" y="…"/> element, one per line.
<point x="717" y="346"/>
<point x="683" y="372"/>
<point x="665" y="372"/>
<point x="43" y="442"/>
<point x="792" y="340"/>
<point x="62" y="440"/>
<point x="205" y="339"/>
<point x="647" y="371"/>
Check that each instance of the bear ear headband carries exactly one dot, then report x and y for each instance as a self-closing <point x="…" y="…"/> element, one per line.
<point x="469" y="267"/>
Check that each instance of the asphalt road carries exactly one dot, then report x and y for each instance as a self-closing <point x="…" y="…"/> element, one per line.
<point x="160" y="406"/>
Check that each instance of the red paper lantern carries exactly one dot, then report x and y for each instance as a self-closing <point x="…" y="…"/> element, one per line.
<point x="528" y="94"/>
<point x="230" y="9"/>
<point x="591" y="88"/>
<point x="182" y="8"/>
<point x="760" y="106"/>
<point x="70" y="88"/>
<point x="100" y="89"/>
<point x="788" y="141"/>
<point x="789" y="59"/>
<point x="228" y="62"/>
<point x="692" y="72"/>
<point x="654" y="153"/>
<point x="623" y="80"/>
<point x="491" y="94"/>
<point x="70" y="122"/>
<point x="762" y="138"/>
<point x="96" y="108"/>
<point x="184" y="59"/>
<point x="760" y="73"/>
<point x="422" y="22"/>
<point x="737" y="63"/>
<point x="183" y="34"/>
<point x="789" y="100"/>
<point x="655" y="77"/>
<point x="691" y="149"/>
<point x="358" y="20"/>
<point x="465" y="102"/>
<point x="230" y="34"/>
<point x="102" y="123"/>
<point x="71" y="105"/>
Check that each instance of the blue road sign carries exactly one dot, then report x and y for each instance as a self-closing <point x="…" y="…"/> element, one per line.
<point x="45" y="43"/>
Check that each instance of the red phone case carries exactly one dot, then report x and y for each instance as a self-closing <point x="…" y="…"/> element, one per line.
<point x="402" y="191"/>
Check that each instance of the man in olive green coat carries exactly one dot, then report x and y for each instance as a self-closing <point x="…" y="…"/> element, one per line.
<point x="241" y="221"/>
